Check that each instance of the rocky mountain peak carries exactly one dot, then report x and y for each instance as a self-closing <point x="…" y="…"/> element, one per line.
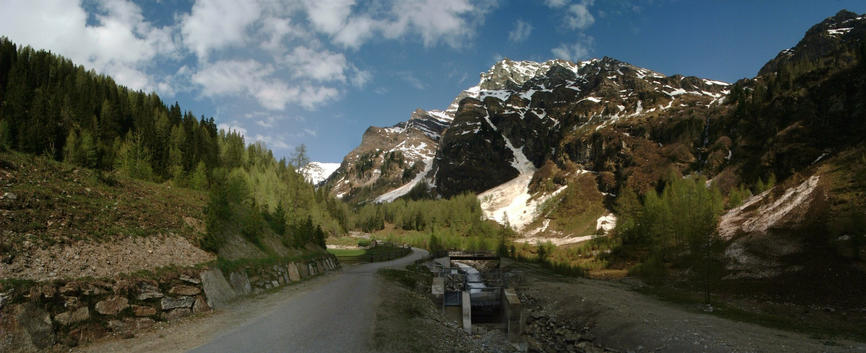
<point x="838" y="37"/>
<point x="509" y="74"/>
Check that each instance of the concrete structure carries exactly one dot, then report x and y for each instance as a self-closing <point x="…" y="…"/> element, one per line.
<point x="466" y="303"/>
<point x="515" y="319"/>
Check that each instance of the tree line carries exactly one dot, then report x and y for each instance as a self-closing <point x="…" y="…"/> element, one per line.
<point x="49" y="106"/>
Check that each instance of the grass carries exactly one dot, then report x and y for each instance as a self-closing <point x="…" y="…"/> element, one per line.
<point x="58" y="203"/>
<point x="375" y="254"/>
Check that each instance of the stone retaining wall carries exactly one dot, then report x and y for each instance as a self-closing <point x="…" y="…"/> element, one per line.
<point x="80" y="311"/>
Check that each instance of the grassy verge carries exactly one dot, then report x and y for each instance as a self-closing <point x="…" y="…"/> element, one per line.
<point x="374" y="254"/>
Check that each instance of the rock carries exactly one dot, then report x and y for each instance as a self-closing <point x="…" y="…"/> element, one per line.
<point x="117" y="325"/>
<point x="169" y="303"/>
<point x="200" y="305"/>
<point x="240" y="282"/>
<point x="70" y="302"/>
<point x="148" y="290"/>
<point x="216" y="288"/>
<point x="36" y="323"/>
<point x="294" y="275"/>
<point x="112" y="305"/>
<point x="184" y="290"/>
<point x="143" y="323"/>
<point x="143" y="310"/>
<point x="175" y="314"/>
<point x="9" y="196"/>
<point x="3" y="297"/>
<point x="69" y="288"/>
<point x="87" y="332"/>
<point x="190" y="280"/>
<point x="73" y="316"/>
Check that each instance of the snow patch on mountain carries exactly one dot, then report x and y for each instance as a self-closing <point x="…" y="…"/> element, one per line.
<point x="403" y="190"/>
<point x="316" y="172"/>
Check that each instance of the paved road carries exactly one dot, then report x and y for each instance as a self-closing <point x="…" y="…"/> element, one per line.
<point x="336" y="317"/>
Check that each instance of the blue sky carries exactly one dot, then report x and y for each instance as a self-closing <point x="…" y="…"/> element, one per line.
<point x="319" y="72"/>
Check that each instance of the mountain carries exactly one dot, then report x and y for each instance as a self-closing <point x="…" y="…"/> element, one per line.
<point x="316" y="172"/>
<point x="547" y="145"/>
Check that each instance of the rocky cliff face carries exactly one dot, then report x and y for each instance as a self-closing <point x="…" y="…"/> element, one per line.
<point x="390" y="161"/>
<point x="573" y="132"/>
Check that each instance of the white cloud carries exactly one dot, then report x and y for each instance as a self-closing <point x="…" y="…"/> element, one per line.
<point x="360" y="78"/>
<point x="317" y="65"/>
<point x="434" y="21"/>
<point x="232" y="126"/>
<point x="576" y="51"/>
<point x="216" y="24"/>
<point x="119" y="42"/>
<point x="578" y="15"/>
<point x="521" y="32"/>
<point x="272" y="141"/>
<point x="555" y="3"/>
<point x="251" y="78"/>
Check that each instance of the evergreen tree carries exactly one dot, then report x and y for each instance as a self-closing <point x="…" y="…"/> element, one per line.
<point x="199" y="180"/>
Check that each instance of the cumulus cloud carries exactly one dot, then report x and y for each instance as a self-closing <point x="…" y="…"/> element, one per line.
<point x="521" y="32"/>
<point x="254" y="79"/>
<point x="578" y="15"/>
<point x="317" y="65"/>
<point x="119" y="42"/>
<point x="576" y="51"/>
<point x="217" y="24"/>
<point x="434" y="21"/>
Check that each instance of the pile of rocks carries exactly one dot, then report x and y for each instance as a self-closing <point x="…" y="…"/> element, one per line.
<point x="545" y="332"/>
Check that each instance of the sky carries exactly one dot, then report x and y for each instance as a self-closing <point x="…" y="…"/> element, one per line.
<point x="319" y="72"/>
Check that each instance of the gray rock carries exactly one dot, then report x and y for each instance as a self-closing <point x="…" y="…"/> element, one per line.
<point x="169" y="303"/>
<point x="240" y="282"/>
<point x="73" y="316"/>
<point x="10" y="196"/>
<point x="294" y="275"/>
<point x="148" y="291"/>
<point x="176" y="313"/>
<point x="216" y="288"/>
<point x="35" y="323"/>
<point x="190" y="280"/>
<point x="112" y="305"/>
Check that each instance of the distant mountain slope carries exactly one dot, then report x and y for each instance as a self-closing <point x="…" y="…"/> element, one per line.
<point x="547" y="145"/>
<point x="316" y="172"/>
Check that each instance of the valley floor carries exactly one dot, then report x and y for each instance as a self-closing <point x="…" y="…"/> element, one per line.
<point x="625" y="320"/>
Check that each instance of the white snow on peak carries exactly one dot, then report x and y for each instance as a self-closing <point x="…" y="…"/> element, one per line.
<point x="441" y="116"/>
<point x="839" y="31"/>
<point x="316" y="172"/>
<point x="714" y="82"/>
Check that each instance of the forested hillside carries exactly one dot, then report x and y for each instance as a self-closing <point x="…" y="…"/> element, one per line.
<point x="51" y="107"/>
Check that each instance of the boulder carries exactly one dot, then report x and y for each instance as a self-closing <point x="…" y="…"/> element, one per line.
<point x="294" y="275"/>
<point x="73" y="316"/>
<point x="148" y="290"/>
<point x="175" y="314"/>
<point x="169" y="303"/>
<point x="112" y="305"/>
<point x="35" y="323"/>
<point x="189" y="279"/>
<point x="143" y="310"/>
<point x="184" y="290"/>
<point x="216" y="288"/>
<point x="200" y="305"/>
<point x="143" y="323"/>
<point x="240" y="282"/>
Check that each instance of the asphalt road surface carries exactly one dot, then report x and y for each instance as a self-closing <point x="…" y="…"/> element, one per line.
<point x="336" y="317"/>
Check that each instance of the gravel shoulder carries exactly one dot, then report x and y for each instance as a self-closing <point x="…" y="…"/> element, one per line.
<point x="622" y="319"/>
